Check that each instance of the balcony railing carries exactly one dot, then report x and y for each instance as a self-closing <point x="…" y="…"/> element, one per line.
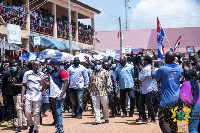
<point x="16" y="21"/>
<point x="41" y="29"/>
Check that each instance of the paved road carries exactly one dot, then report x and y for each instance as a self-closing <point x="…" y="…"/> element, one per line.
<point x="74" y="125"/>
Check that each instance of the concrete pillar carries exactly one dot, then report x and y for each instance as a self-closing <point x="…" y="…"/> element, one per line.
<point x="27" y="24"/>
<point x="55" y="21"/>
<point x="76" y="20"/>
<point x="93" y="27"/>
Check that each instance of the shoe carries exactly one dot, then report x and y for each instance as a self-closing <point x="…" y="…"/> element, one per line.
<point x="79" y="117"/>
<point x="53" y="124"/>
<point x="137" y="120"/>
<point x="149" y="119"/>
<point x="142" y="121"/>
<point x="24" y="127"/>
<point x="4" y="123"/>
<point x="113" y="115"/>
<point x="152" y="122"/>
<point x="18" y="129"/>
<point x="31" y="129"/>
<point x="124" y="115"/>
<point x="74" y="116"/>
<point x="106" y="121"/>
<point x="96" y="123"/>
<point x="130" y="115"/>
<point x="35" y="131"/>
<point x="119" y="113"/>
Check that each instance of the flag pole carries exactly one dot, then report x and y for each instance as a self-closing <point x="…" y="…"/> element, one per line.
<point x="120" y="35"/>
<point x="166" y="38"/>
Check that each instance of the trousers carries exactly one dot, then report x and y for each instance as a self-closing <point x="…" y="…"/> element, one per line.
<point x="96" y="100"/>
<point x="35" y="106"/>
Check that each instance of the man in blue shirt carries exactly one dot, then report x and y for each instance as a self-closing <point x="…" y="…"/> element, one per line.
<point x="125" y="74"/>
<point x="169" y="76"/>
<point x="78" y="80"/>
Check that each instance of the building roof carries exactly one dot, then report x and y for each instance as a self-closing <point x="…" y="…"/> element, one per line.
<point x="86" y="6"/>
<point x="147" y="39"/>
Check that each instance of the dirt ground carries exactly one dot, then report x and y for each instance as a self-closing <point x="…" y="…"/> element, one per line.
<point x="74" y="125"/>
<point x="116" y="125"/>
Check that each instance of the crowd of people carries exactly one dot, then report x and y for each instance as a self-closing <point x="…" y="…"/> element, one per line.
<point x="14" y="14"/>
<point x="121" y="86"/>
<point x="42" y="21"/>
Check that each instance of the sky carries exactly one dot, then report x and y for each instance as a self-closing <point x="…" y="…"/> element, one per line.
<point x="143" y="14"/>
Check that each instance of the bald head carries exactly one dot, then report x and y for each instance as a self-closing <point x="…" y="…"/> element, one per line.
<point x="106" y="65"/>
<point x="123" y="61"/>
<point x="36" y="66"/>
<point x="169" y="57"/>
<point x="36" y="63"/>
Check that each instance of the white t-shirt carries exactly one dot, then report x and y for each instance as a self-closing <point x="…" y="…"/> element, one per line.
<point x="54" y="89"/>
<point x="34" y="87"/>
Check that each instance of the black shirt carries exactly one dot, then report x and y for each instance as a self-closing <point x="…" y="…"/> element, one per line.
<point x="8" y="78"/>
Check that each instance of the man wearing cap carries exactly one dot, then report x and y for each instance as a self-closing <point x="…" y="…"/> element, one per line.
<point x="78" y="80"/>
<point x="58" y="82"/>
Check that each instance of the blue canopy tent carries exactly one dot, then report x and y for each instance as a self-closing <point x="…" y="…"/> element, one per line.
<point x="52" y="43"/>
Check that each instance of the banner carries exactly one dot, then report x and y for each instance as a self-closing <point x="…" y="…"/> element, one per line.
<point x="160" y="40"/>
<point x="14" y="33"/>
<point x="126" y="50"/>
<point x="110" y="53"/>
<point x="3" y="47"/>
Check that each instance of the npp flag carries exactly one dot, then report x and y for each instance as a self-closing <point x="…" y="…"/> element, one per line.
<point x="160" y="40"/>
<point x="177" y="43"/>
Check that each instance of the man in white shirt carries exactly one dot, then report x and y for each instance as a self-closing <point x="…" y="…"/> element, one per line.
<point x="33" y="81"/>
<point x="149" y="85"/>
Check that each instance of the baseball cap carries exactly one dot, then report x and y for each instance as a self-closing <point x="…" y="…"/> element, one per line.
<point x="53" y="61"/>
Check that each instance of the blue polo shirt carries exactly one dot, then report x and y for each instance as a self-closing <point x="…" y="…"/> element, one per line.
<point x="169" y="76"/>
<point x="126" y="76"/>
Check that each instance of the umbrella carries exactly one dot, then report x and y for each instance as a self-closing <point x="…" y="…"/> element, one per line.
<point x="66" y="57"/>
<point x="50" y="53"/>
<point x="82" y="57"/>
<point x="32" y="56"/>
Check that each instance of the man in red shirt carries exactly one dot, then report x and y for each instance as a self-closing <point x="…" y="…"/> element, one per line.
<point x="58" y="81"/>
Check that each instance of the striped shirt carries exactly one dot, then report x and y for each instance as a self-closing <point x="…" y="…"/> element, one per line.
<point x="100" y="83"/>
<point x="34" y="87"/>
<point x="148" y="83"/>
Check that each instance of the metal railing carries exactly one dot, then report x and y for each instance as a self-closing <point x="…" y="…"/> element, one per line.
<point x="41" y="29"/>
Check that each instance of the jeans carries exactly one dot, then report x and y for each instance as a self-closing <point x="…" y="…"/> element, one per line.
<point x="131" y="94"/>
<point x="53" y="112"/>
<point x="57" y="109"/>
<point x="194" y="120"/>
<point x="112" y="101"/>
<point x="76" y="96"/>
<point x="148" y="99"/>
<point x="166" y="122"/>
<point x="156" y="101"/>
